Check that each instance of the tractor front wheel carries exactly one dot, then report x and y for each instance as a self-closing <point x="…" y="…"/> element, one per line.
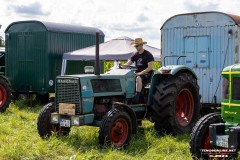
<point x="199" y="138"/>
<point x="5" y="95"/>
<point x="176" y="104"/>
<point x="116" y="129"/>
<point x="45" y="128"/>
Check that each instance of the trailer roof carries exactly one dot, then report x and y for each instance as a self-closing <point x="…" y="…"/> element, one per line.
<point x="54" y="27"/>
<point x="235" y="18"/>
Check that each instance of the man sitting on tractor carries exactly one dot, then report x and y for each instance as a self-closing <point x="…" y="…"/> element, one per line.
<point x="144" y="61"/>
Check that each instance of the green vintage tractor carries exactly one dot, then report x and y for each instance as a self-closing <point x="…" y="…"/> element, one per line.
<point x="217" y="135"/>
<point x="171" y="100"/>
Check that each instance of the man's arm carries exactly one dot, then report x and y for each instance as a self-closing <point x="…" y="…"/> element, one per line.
<point x="145" y="71"/>
<point x="129" y="63"/>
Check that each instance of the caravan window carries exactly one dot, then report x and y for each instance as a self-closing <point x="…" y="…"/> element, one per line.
<point x="196" y="51"/>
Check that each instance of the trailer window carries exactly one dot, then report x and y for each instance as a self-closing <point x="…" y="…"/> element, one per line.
<point x="236" y="88"/>
<point x="225" y="90"/>
<point x="197" y="51"/>
<point x="106" y="85"/>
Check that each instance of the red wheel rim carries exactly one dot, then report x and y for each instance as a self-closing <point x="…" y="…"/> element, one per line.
<point x="207" y="142"/>
<point x="3" y="95"/>
<point x="185" y="107"/>
<point x="119" y="132"/>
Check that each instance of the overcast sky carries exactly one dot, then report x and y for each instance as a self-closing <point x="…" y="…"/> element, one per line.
<point x="132" y="18"/>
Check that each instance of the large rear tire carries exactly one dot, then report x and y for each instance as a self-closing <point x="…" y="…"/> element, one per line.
<point x="176" y="104"/>
<point x="199" y="138"/>
<point x="116" y="129"/>
<point x="5" y="95"/>
<point x="45" y="128"/>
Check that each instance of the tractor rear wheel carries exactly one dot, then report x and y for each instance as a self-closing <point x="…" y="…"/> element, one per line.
<point x="5" y="95"/>
<point x="176" y="104"/>
<point x="199" y="138"/>
<point x="45" y="128"/>
<point x="116" y="129"/>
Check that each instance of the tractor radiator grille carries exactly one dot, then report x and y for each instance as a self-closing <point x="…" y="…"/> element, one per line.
<point x="68" y="91"/>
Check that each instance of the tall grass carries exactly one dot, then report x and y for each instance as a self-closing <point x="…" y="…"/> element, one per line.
<point x="19" y="139"/>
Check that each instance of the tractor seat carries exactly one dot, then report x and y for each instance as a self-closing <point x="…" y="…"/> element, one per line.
<point x="148" y="84"/>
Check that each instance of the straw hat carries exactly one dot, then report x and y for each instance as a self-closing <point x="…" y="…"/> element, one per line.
<point x="138" y="41"/>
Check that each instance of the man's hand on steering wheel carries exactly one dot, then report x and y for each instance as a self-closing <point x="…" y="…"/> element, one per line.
<point x="120" y="66"/>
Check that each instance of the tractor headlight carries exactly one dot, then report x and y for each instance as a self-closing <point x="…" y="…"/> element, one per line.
<point x="165" y="71"/>
<point x="54" y="118"/>
<point x="84" y="87"/>
<point x="75" y="121"/>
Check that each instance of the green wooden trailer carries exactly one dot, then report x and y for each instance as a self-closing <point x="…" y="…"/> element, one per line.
<point x="34" y="52"/>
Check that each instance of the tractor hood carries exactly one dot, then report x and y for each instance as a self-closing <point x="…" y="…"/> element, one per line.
<point x="232" y="68"/>
<point x="112" y="73"/>
<point x="114" y="82"/>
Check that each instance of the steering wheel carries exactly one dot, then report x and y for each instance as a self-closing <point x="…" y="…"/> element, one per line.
<point x="133" y="68"/>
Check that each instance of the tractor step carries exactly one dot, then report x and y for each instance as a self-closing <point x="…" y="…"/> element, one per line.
<point x="134" y="107"/>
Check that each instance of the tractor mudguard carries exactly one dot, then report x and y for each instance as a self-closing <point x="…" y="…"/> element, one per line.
<point x="166" y="71"/>
<point x="174" y="69"/>
<point x="132" y="114"/>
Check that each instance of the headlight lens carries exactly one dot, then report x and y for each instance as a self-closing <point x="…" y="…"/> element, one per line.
<point x="54" y="118"/>
<point x="75" y="121"/>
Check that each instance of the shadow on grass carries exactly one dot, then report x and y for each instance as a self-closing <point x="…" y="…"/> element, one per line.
<point x="139" y="143"/>
<point x="24" y="105"/>
<point x="88" y="140"/>
<point x="85" y="139"/>
<point x="179" y="137"/>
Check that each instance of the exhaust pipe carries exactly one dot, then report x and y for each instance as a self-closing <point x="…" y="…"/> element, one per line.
<point x="97" y="62"/>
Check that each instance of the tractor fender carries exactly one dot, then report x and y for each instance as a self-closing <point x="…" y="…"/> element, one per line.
<point x="174" y="69"/>
<point x="5" y="78"/>
<point x="167" y="71"/>
<point x="132" y="114"/>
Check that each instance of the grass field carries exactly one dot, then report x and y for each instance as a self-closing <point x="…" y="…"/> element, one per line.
<point x="19" y="139"/>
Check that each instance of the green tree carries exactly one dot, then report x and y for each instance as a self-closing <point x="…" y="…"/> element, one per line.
<point x="109" y="64"/>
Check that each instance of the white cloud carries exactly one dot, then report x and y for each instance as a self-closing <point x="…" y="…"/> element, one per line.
<point x="208" y="5"/>
<point x="29" y="10"/>
<point x="135" y="18"/>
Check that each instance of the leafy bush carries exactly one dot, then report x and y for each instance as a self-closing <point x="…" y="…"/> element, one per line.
<point x="110" y="64"/>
